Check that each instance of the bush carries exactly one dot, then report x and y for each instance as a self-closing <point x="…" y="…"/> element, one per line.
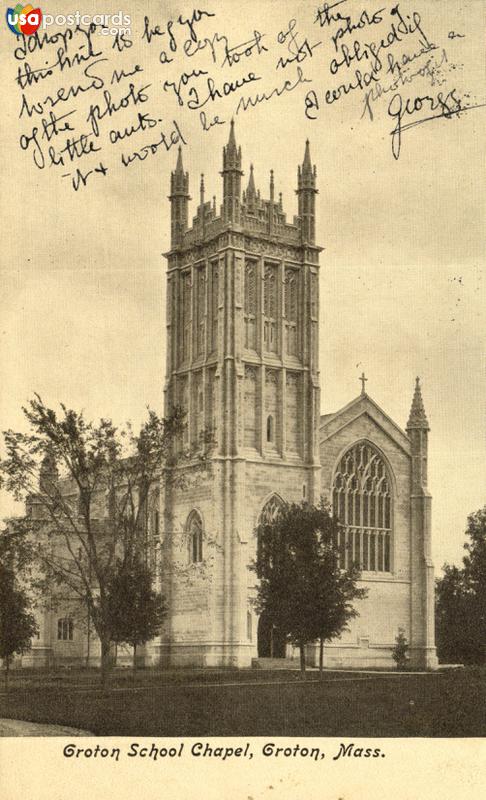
<point x="400" y="650"/>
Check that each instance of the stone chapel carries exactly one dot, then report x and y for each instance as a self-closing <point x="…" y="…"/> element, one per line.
<point x="243" y="360"/>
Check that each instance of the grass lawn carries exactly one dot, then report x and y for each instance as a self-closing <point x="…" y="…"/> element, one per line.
<point x="186" y="704"/>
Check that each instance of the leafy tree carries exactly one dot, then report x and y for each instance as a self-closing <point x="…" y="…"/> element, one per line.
<point x="87" y="488"/>
<point x="17" y="624"/>
<point x="475" y="578"/>
<point x="400" y="650"/>
<point x="137" y="611"/>
<point x="302" y="589"/>
<point x="452" y="618"/>
<point x="461" y="600"/>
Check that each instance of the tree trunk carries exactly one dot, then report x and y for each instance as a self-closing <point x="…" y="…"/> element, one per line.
<point x="134" y="665"/>
<point x="302" y="660"/>
<point x="88" y="642"/>
<point x="105" y="660"/>
<point x="7" y="671"/>
<point x="321" y="658"/>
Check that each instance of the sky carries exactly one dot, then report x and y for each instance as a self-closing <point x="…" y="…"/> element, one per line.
<point x="402" y="270"/>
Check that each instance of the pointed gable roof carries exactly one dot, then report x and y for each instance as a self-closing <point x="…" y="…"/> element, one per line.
<point x="362" y="405"/>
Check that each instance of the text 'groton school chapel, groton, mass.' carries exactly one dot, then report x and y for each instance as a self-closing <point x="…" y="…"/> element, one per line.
<point x="243" y="360"/>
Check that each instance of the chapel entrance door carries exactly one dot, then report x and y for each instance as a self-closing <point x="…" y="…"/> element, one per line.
<point x="271" y="640"/>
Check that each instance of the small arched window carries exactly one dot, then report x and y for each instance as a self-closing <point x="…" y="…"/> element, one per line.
<point x="195" y="535"/>
<point x="270" y="428"/>
<point x="362" y="501"/>
<point x="65" y="629"/>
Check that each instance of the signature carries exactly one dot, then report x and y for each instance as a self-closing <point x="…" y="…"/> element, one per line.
<point x="399" y="109"/>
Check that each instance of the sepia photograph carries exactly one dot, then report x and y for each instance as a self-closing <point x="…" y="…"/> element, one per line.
<point x="242" y="458"/>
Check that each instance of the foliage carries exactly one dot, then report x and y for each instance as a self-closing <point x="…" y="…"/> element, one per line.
<point x="475" y="576"/>
<point x="17" y="624"/>
<point x="461" y="600"/>
<point x="301" y="586"/>
<point x="88" y="488"/>
<point x="455" y="639"/>
<point x="136" y="610"/>
<point x="400" y="650"/>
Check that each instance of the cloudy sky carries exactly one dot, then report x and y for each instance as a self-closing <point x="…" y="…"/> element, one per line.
<point x="402" y="272"/>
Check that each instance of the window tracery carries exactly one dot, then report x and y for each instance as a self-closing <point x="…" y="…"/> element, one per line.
<point x="251" y="408"/>
<point x="186" y="314"/>
<point x="270" y="306"/>
<point x="291" y="310"/>
<point x="200" y="309"/>
<point x="250" y="305"/>
<point x="362" y="501"/>
<point x="214" y="306"/>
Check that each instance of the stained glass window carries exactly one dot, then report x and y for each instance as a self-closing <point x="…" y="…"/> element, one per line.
<point x="362" y="501"/>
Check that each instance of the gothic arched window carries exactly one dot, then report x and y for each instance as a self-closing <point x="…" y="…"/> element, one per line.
<point x="291" y="310"/>
<point x="195" y="536"/>
<point x="251" y="407"/>
<point x="271" y="509"/>
<point x="214" y="306"/>
<point x="200" y="310"/>
<point x="270" y="429"/>
<point x="362" y="501"/>
<point x="269" y="514"/>
<point x="272" y="409"/>
<point x="186" y="314"/>
<point x="270" y="306"/>
<point x="250" y="305"/>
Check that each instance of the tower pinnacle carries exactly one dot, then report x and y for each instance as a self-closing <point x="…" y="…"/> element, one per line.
<point x="417" y="418"/>
<point x="179" y="201"/>
<point x="306" y="192"/>
<point x="232" y="140"/>
<point x="251" y="191"/>
<point x="231" y="178"/>
<point x="307" y="166"/>
<point x="179" y="168"/>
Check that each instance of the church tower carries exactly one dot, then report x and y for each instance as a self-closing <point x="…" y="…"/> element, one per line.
<point x="242" y="360"/>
